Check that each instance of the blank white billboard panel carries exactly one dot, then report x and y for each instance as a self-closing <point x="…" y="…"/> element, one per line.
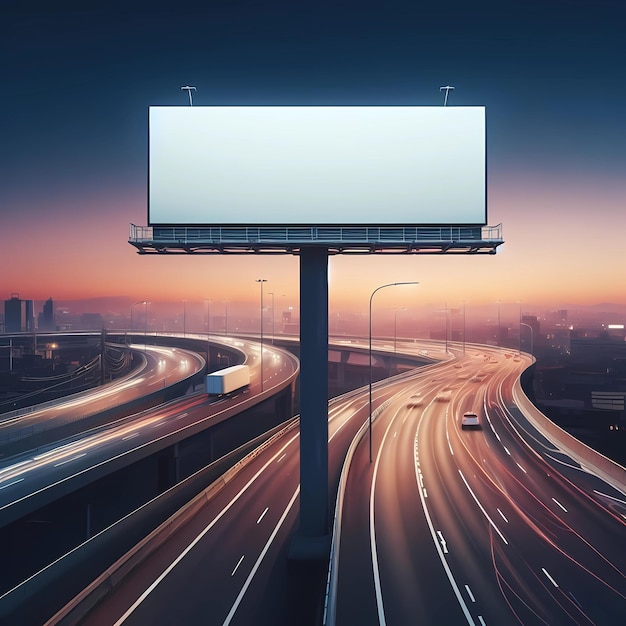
<point x="327" y="165"/>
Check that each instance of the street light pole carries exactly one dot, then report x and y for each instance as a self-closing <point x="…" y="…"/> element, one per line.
<point x="370" y="351"/>
<point x="271" y="293"/>
<point x="132" y="306"/>
<point x="145" y="327"/>
<point x="531" y="337"/>
<point x="499" y="337"/>
<point x="464" y="326"/>
<point x="261" y="281"/>
<point x="208" y="330"/>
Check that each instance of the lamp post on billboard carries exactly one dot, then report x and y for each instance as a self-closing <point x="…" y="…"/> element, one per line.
<point x="188" y="89"/>
<point x="447" y="89"/>
<point x="370" y="351"/>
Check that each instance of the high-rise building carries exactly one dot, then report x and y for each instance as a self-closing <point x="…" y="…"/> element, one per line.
<point x="45" y="319"/>
<point x="18" y="314"/>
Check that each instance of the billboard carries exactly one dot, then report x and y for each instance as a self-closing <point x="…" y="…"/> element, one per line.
<point x="317" y="165"/>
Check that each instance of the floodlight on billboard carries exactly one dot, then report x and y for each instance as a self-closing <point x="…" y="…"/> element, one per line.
<point x="317" y="166"/>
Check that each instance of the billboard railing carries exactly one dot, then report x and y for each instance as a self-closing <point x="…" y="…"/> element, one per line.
<point x="391" y="239"/>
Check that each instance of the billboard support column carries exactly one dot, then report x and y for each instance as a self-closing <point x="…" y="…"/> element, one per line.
<point x="313" y="540"/>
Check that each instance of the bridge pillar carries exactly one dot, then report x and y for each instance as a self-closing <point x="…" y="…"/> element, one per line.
<point x="312" y="541"/>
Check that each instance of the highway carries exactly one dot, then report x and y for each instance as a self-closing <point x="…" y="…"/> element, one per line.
<point x="228" y="564"/>
<point x="488" y="526"/>
<point x="159" y="366"/>
<point x="463" y="526"/>
<point x="39" y="476"/>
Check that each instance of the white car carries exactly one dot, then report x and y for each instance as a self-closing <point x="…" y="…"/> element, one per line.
<point x="415" y="400"/>
<point x="470" y="420"/>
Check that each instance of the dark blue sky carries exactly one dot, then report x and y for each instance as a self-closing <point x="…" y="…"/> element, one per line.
<point x="78" y="78"/>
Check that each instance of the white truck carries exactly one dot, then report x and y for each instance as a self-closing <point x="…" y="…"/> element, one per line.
<point x="227" y="380"/>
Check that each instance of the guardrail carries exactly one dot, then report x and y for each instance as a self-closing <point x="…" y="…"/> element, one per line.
<point x="607" y="469"/>
<point x="342" y="238"/>
<point x="134" y="538"/>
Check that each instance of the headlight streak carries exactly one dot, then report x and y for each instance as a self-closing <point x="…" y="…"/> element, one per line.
<point x="433" y="533"/>
<point x="535" y="524"/>
<point x="531" y="523"/>
<point x="515" y="427"/>
<point x="86" y="444"/>
<point x="334" y="414"/>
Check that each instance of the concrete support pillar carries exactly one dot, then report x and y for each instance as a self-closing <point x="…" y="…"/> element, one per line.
<point x="312" y="541"/>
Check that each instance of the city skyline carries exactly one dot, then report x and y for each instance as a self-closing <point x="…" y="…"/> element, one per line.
<point x="75" y="166"/>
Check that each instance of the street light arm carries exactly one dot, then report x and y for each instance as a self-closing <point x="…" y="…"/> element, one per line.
<point x="370" y="349"/>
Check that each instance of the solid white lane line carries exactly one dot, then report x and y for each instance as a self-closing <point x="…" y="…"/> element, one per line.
<point x="480" y="506"/>
<point x="543" y="569"/>
<point x="237" y="566"/>
<point x="373" y="549"/>
<point x="207" y="528"/>
<point x="470" y="594"/>
<point x="606" y="495"/>
<point x="502" y="515"/>
<point x="263" y="514"/>
<point x="19" y="480"/>
<point x="557" y="502"/>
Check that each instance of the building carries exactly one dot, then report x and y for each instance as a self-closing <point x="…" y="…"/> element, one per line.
<point x="18" y="315"/>
<point x="598" y="345"/>
<point x="45" y="320"/>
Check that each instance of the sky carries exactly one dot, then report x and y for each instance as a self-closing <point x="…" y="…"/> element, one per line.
<point x="78" y="78"/>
